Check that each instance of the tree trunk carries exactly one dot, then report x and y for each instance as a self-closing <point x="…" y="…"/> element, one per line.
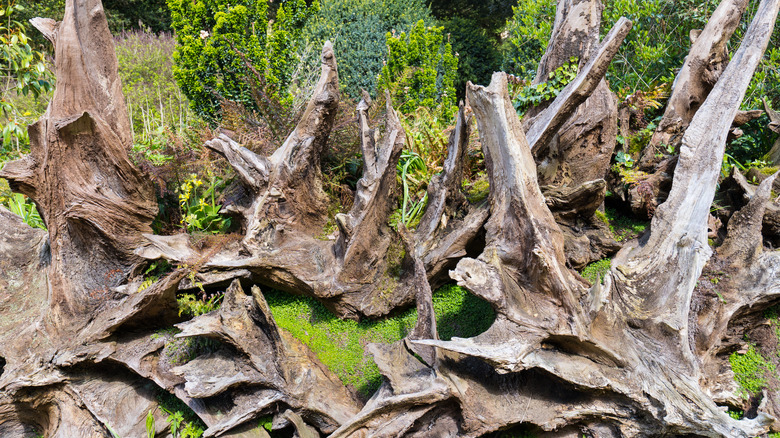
<point x="638" y="355"/>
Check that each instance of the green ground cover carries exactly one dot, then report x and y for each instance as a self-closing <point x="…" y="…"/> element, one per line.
<point x="341" y="344"/>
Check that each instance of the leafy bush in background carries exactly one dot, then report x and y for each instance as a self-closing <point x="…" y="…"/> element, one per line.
<point x="420" y="71"/>
<point x="122" y="15"/>
<point x="527" y="35"/>
<point x="357" y="29"/>
<point x="22" y="72"/>
<point x="221" y="44"/>
<point x="477" y="51"/>
<point x="153" y="98"/>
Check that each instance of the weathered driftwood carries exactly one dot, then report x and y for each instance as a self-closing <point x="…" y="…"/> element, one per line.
<point x="641" y="354"/>
<point x="362" y="270"/>
<point x="545" y="126"/>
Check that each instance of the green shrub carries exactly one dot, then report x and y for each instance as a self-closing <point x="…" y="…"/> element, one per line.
<point x="22" y="72"/>
<point x="357" y="29"/>
<point x="420" y="71"/>
<point x="477" y="51"/>
<point x="223" y="45"/>
<point x="528" y="33"/>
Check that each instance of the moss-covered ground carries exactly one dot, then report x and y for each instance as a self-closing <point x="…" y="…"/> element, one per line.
<point x="341" y="344"/>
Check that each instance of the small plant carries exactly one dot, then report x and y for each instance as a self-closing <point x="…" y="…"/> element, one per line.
<point x="199" y="207"/>
<point x="411" y="165"/>
<point x="191" y="305"/>
<point x="624" y="227"/>
<point x="150" y="426"/>
<point x="184" y="423"/>
<point x="152" y="148"/>
<point x="596" y="271"/>
<point x="23" y="207"/>
<point x="533" y="95"/>
<point x="157" y="269"/>
<point x="624" y="159"/>
<point x="751" y="370"/>
<point x="736" y="414"/>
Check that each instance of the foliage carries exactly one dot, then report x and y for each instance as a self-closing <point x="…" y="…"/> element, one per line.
<point x="420" y="71"/>
<point x="357" y="29"/>
<point x="624" y="226"/>
<point x="411" y="211"/>
<point x="654" y="49"/>
<point x="595" y="271"/>
<point x="150" y="426"/>
<point x="191" y="305"/>
<point x="122" y="15"/>
<point x="340" y="344"/>
<point x="22" y="72"/>
<point x="557" y="80"/>
<point x="221" y="43"/>
<point x="154" y="100"/>
<point x="754" y="144"/>
<point x="477" y="51"/>
<point x="199" y="206"/>
<point x="180" y="414"/>
<point x="23" y="207"/>
<point x="751" y="370"/>
<point x="152" y="148"/>
<point x="625" y="160"/>
<point x="528" y="33"/>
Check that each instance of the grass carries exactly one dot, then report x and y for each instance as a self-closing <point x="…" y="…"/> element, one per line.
<point x="340" y="344"/>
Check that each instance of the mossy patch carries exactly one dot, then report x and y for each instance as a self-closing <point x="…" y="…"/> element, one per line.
<point x="596" y="270"/>
<point x="478" y="190"/>
<point x="341" y="344"/>
<point x="623" y="227"/>
<point x="751" y="370"/>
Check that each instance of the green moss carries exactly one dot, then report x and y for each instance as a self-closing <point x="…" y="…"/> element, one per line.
<point x="624" y="227"/>
<point x="478" y="190"/>
<point x="596" y="270"/>
<point x="340" y="344"/>
<point x="395" y="258"/>
<point x="600" y="215"/>
<point x="751" y="370"/>
<point x="769" y="170"/>
<point x="638" y="141"/>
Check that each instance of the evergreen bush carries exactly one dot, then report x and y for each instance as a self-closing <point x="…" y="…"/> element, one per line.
<point x="357" y="29"/>
<point x="420" y="71"/>
<point x="221" y="44"/>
